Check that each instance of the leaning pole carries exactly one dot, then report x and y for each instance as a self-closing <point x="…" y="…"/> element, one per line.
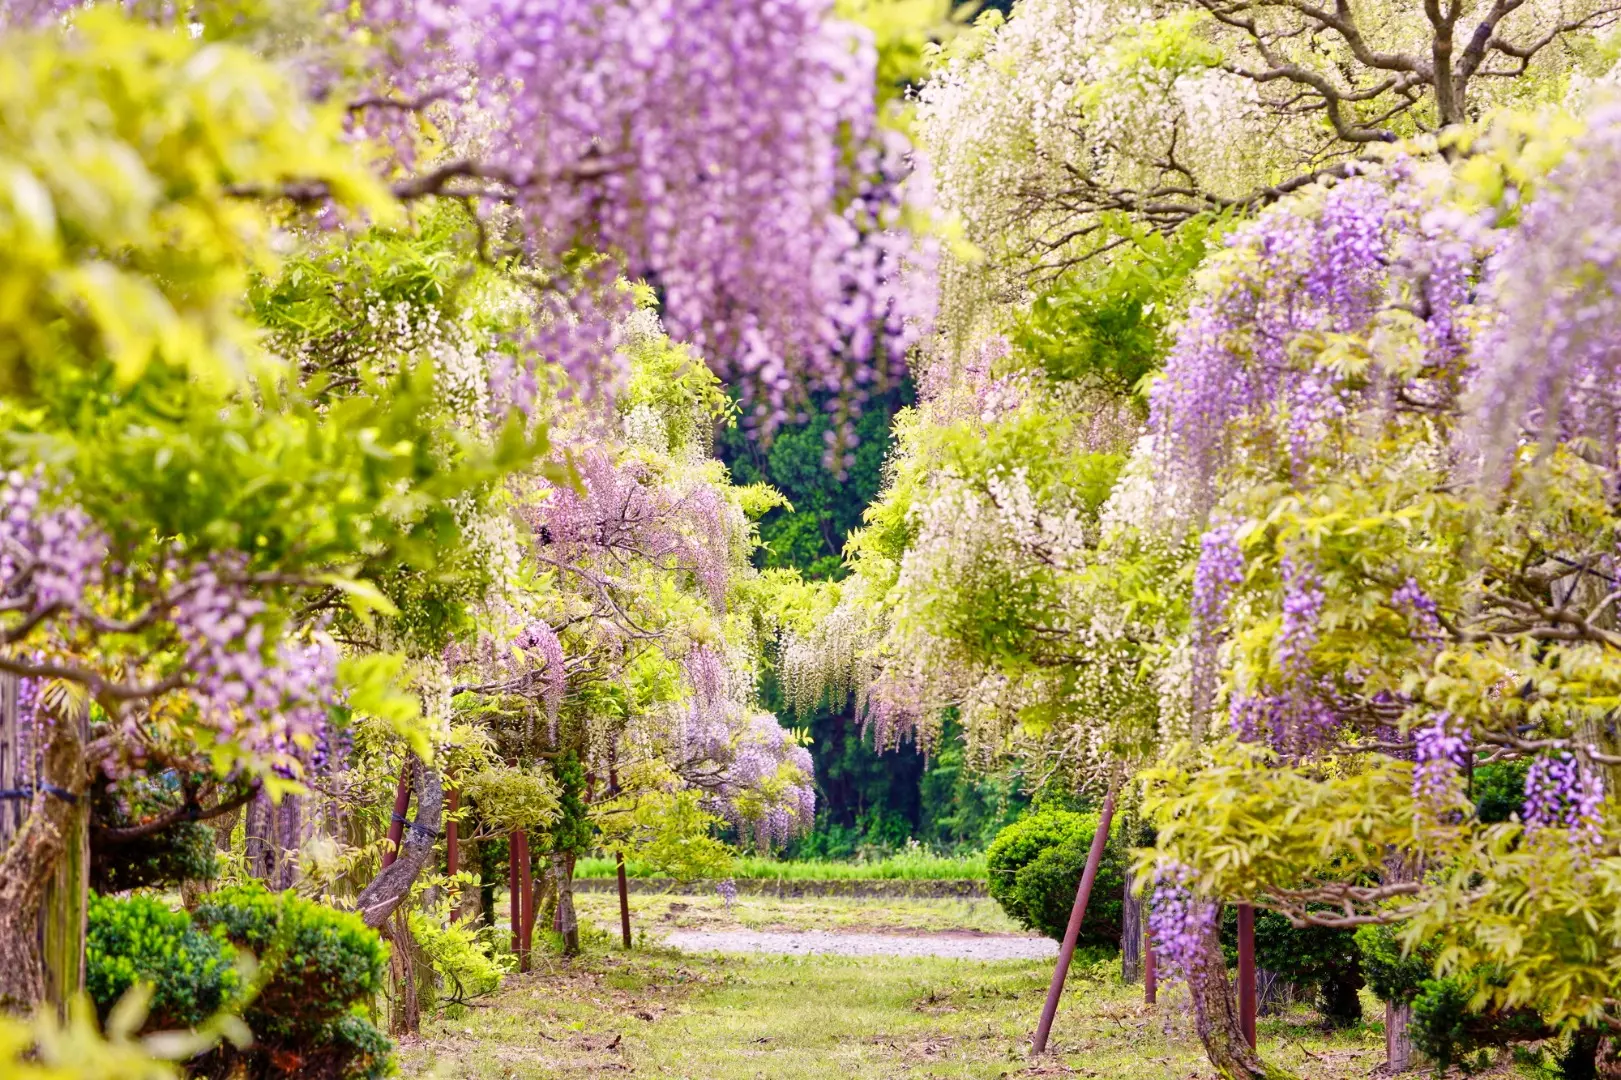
<point x="1072" y="932"/>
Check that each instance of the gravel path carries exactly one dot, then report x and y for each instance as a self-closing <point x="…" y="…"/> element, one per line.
<point x="960" y="946"/>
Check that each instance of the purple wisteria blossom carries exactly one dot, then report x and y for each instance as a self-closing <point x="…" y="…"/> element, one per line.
<point x="1235" y="367"/>
<point x="1441" y="750"/>
<point x="1563" y="796"/>
<point x="268" y="697"/>
<point x="50" y="552"/>
<point x="1550" y="367"/>
<point x="1414" y="602"/>
<point x="728" y="151"/>
<point x="1220" y="570"/>
<point x="1177" y="920"/>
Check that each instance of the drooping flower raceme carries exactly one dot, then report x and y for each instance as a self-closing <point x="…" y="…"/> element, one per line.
<point x="1442" y="750"/>
<point x="728" y="152"/>
<point x="1220" y="570"/>
<point x="1366" y="250"/>
<point x="1178" y="920"/>
<point x="1550" y="366"/>
<point x="1564" y="798"/>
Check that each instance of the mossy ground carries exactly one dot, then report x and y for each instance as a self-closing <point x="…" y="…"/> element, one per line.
<point x="656" y="1013"/>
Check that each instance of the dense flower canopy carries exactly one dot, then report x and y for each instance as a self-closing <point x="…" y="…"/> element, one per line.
<point x="728" y="153"/>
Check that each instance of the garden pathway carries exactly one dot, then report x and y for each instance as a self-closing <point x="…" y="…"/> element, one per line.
<point x="962" y="945"/>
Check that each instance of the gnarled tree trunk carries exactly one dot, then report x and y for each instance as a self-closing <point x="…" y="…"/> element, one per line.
<point x="258" y="837"/>
<point x="45" y="865"/>
<point x="392" y="885"/>
<point x="1398" y="1038"/>
<point x="1215" y="1016"/>
<point x="405" y="1018"/>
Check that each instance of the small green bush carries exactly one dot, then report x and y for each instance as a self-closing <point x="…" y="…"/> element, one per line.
<point x="1034" y="866"/>
<point x="1444" y="1028"/>
<point x="365" y="1052"/>
<point x="1447" y="1032"/>
<point x="1392" y="975"/>
<point x="182" y="852"/>
<point x="192" y="970"/>
<point x="315" y="961"/>
<point x="1325" y="959"/>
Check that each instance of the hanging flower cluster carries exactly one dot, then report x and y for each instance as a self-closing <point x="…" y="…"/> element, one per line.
<point x="729" y="153"/>
<point x="1290" y="282"/>
<point x="1565" y="799"/>
<point x="1178" y="920"/>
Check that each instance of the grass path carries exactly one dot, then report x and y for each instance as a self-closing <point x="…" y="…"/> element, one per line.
<point x="654" y="1012"/>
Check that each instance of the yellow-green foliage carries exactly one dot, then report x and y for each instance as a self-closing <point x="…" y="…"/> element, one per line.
<point x="122" y="152"/>
<point x="666" y="829"/>
<point x="462" y="954"/>
<point x="509" y="798"/>
<point x="47" y="1048"/>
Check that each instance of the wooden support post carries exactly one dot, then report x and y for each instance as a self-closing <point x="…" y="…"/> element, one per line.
<point x="396" y="824"/>
<point x="1150" y="974"/>
<point x="624" y="899"/>
<point x="1246" y="972"/>
<point x="1072" y="932"/>
<point x="515" y="891"/>
<point x="619" y="864"/>
<point x="526" y="892"/>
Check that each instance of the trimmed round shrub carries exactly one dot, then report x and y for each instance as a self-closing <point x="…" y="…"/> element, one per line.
<point x="192" y="970"/>
<point x="1034" y="867"/>
<point x="365" y="1052"/>
<point x="1446" y="1031"/>
<point x="315" y="961"/>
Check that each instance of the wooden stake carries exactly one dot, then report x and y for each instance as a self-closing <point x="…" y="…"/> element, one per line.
<point x="1150" y="974"/>
<point x="624" y="899"/>
<point x="526" y="887"/>
<point x="619" y="861"/>
<point x="1246" y="972"/>
<point x="515" y="890"/>
<point x="1072" y="932"/>
<point x="396" y="824"/>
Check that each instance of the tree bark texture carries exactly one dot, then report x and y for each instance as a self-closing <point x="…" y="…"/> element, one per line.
<point x="569" y="926"/>
<point x="258" y="836"/>
<point x="1398" y="1038"/>
<point x="1398" y="1018"/>
<point x="1215" y="1016"/>
<point x="1131" y="937"/>
<point x="288" y="842"/>
<point x="405" y="1018"/>
<point x="392" y="885"/>
<point x="43" y="879"/>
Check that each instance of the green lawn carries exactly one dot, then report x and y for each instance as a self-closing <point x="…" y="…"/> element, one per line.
<point x="660" y="1014"/>
<point x="910" y="866"/>
<point x="655" y="1013"/>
